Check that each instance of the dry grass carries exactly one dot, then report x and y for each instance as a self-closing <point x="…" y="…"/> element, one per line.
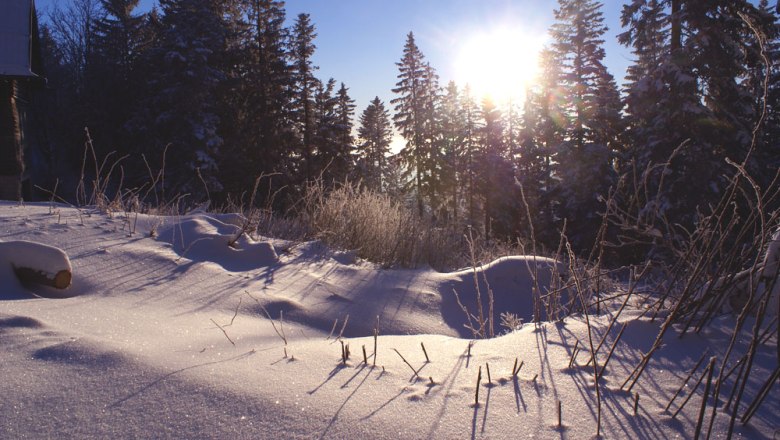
<point x="375" y="226"/>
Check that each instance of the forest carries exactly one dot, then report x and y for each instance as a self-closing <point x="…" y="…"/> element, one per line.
<point x="600" y="259"/>
<point x="220" y="94"/>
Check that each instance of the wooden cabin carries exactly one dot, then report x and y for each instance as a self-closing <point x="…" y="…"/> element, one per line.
<point x="21" y="77"/>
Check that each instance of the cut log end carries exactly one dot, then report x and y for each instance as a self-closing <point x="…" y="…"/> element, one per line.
<point x="62" y="279"/>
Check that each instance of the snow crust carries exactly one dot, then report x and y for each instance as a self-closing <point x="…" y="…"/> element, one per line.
<point x="169" y="337"/>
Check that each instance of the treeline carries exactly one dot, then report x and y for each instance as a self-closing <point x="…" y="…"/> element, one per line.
<point x="229" y="93"/>
<point x="221" y="91"/>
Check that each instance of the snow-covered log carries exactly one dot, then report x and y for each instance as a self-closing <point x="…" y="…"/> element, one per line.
<point x="37" y="263"/>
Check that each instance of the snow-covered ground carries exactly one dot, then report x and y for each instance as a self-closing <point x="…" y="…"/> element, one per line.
<point x="164" y="333"/>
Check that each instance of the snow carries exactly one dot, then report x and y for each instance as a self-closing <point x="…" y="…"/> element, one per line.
<point x="168" y="337"/>
<point x="48" y="259"/>
<point x="46" y="262"/>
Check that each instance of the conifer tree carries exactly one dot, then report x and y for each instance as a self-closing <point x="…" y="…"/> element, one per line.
<point x="344" y="143"/>
<point x="686" y="100"/>
<point x="584" y="160"/>
<point x="495" y="175"/>
<point x="375" y="134"/>
<point x="451" y="140"/>
<point x="112" y="79"/>
<point x="468" y="169"/>
<point x="545" y="128"/>
<point x="259" y="102"/>
<point x="304" y="88"/>
<point x="416" y="90"/>
<point x="179" y="108"/>
<point x="333" y="134"/>
<point x="577" y="43"/>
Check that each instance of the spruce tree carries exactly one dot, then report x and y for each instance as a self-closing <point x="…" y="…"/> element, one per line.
<point x="375" y="134"/>
<point x="577" y="43"/>
<point x="260" y="133"/>
<point x="333" y="138"/>
<point x="591" y="102"/>
<point x="304" y="88"/>
<point x="451" y="142"/>
<point x="112" y="77"/>
<point x="687" y="100"/>
<point x="180" y="108"/>
<point x="468" y="164"/>
<point x="495" y="175"/>
<point x="344" y="141"/>
<point x="414" y="113"/>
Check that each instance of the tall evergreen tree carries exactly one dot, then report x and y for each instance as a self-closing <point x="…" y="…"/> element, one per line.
<point x="113" y="82"/>
<point x="333" y="135"/>
<point x="577" y="42"/>
<point x="344" y="143"/>
<point x="260" y="130"/>
<point x="545" y="129"/>
<point x="180" y="109"/>
<point x="686" y="100"/>
<point x="375" y="133"/>
<point x="495" y="175"/>
<point x="584" y="160"/>
<point x="451" y="143"/>
<point x="469" y="157"/>
<point x="414" y="112"/>
<point x="304" y="87"/>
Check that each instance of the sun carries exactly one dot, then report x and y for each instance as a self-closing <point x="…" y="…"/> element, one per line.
<point x="499" y="64"/>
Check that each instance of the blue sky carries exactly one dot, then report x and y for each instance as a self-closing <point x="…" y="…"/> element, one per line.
<point x="359" y="41"/>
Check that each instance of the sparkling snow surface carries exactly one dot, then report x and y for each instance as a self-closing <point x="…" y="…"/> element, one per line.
<point x="165" y="335"/>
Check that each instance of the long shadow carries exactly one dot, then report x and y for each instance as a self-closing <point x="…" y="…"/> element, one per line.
<point x="383" y="406"/>
<point x="343" y="404"/>
<point x="487" y="406"/>
<point x="331" y="375"/>
<point x="518" y="396"/>
<point x="474" y="422"/>
<point x="174" y="373"/>
<point x="357" y="373"/>
<point x="449" y="380"/>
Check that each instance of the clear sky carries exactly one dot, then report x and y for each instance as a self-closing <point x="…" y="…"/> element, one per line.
<point x="359" y="41"/>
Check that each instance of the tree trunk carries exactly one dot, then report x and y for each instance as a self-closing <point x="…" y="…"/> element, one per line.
<point x="11" y="153"/>
<point x="676" y="42"/>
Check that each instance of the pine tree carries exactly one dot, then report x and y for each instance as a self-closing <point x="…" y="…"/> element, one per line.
<point x="468" y="169"/>
<point x="687" y="101"/>
<point x="414" y="111"/>
<point x="584" y="160"/>
<point x="304" y="85"/>
<point x="260" y="133"/>
<point x="451" y="143"/>
<point x="270" y="79"/>
<point x="342" y="155"/>
<point x="333" y="135"/>
<point x="180" y="109"/>
<point x="112" y="79"/>
<point x="495" y="175"/>
<point x="375" y="133"/>
<point x="577" y="43"/>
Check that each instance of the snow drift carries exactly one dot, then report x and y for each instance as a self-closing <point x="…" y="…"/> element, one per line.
<point x="219" y="240"/>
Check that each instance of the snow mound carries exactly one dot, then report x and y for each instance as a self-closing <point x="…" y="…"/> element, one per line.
<point x="513" y="281"/>
<point x="206" y="238"/>
<point x="32" y="262"/>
